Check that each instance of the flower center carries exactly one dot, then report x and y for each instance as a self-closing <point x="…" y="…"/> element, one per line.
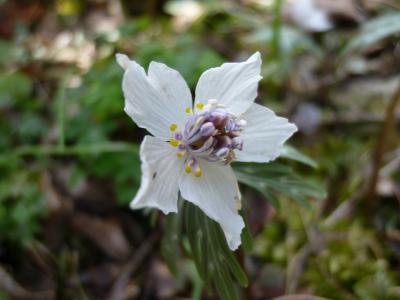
<point x="211" y="134"/>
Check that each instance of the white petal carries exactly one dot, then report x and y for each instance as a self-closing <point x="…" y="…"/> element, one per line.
<point x="122" y="60"/>
<point x="308" y="15"/>
<point x="156" y="101"/>
<point x="161" y="169"/>
<point x="217" y="194"/>
<point x="232" y="84"/>
<point x="174" y="90"/>
<point x="264" y="135"/>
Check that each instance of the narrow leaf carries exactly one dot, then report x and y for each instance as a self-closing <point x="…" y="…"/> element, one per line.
<point x="294" y="154"/>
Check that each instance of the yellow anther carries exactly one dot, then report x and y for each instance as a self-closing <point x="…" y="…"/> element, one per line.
<point x="188" y="169"/>
<point x="173" y="127"/>
<point x="174" y="143"/>
<point x="198" y="172"/>
<point x="188" y="110"/>
<point x="181" y="154"/>
<point x="200" y="106"/>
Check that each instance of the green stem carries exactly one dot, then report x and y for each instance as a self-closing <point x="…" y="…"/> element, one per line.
<point x="49" y="150"/>
<point x="276" y="30"/>
<point x="276" y="55"/>
<point x="60" y="100"/>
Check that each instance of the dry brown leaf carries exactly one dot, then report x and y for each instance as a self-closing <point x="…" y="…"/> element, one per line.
<point x="106" y="234"/>
<point x="342" y="8"/>
<point x="300" y="297"/>
<point x="16" y="291"/>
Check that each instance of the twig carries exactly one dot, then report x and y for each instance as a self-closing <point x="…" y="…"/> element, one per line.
<point x="381" y="148"/>
<point x="16" y="291"/>
<point x="299" y="297"/>
<point x="345" y="209"/>
<point x="117" y="292"/>
<point x="392" y="166"/>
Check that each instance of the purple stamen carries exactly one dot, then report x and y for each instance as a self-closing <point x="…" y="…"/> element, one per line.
<point x="237" y="143"/>
<point x="224" y="141"/>
<point x="212" y="135"/>
<point x="178" y="136"/>
<point x="194" y="138"/>
<point x="207" y="129"/>
<point x="218" y="117"/>
<point x="207" y="147"/>
<point x="230" y="125"/>
<point x="222" y="152"/>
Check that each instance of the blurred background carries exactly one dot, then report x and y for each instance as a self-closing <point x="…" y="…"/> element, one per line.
<point x="69" y="163"/>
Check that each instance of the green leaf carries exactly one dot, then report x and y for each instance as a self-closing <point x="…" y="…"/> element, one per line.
<point x="258" y="185"/>
<point x="191" y="226"/>
<point x="375" y="30"/>
<point x="224" y="286"/>
<point x="294" y="154"/>
<point x="12" y="52"/>
<point x="215" y="262"/>
<point x="14" y="88"/>
<point x="3" y="296"/>
<point x="274" y="178"/>
<point x="291" y="41"/>
<point x="170" y="242"/>
<point x="218" y="238"/>
<point x="247" y="240"/>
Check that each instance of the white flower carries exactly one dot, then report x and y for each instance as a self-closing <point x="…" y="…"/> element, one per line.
<point x="192" y="145"/>
<point x="308" y="15"/>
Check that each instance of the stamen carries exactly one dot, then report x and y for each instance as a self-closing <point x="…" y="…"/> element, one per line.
<point x="218" y="117"/>
<point x="173" y="127"/>
<point x="212" y="134"/>
<point x="237" y="143"/>
<point x="178" y="136"/>
<point x="224" y="141"/>
<point x="188" y="110"/>
<point x="174" y="143"/>
<point x="181" y="154"/>
<point x="207" y="129"/>
<point x="242" y="123"/>
<point x="198" y="172"/>
<point x="213" y="102"/>
<point x="199" y="122"/>
<point x="206" y="148"/>
<point x="222" y="152"/>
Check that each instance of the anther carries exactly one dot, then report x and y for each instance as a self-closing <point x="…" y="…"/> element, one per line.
<point x="174" y="143"/>
<point x="200" y="106"/>
<point x="181" y="154"/>
<point x="188" y="110"/>
<point x="173" y="127"/>
<point x="222" y="152"/>
<point x="198" y="172"/>
<point x="178" y="136"/>
<point x="237" y="143"/>
<point x="207" y="129"/>
<point x="188" y="168"/>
